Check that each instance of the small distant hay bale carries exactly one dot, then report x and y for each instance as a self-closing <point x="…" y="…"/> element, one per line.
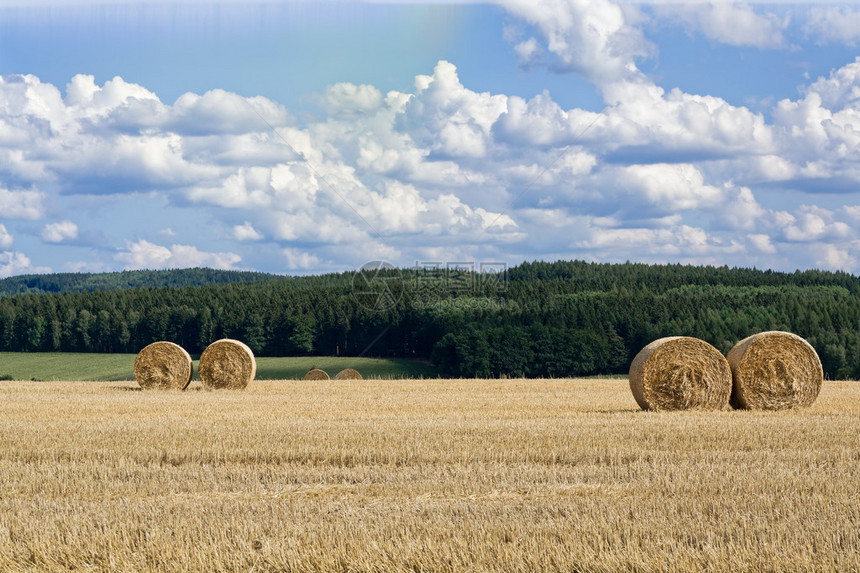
<point x="227" y="364"/>
<point x="348" y="374"/>
<point x="163" y="366"/>
<point x="774" y="370"/>
<point x="680" y="373"/>
<point x="317" y="374"/>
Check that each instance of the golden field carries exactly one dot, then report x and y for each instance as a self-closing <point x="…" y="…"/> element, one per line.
<point x="421" y="475"/>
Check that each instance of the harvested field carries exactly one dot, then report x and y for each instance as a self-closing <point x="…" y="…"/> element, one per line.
<point x="429" y="475"/>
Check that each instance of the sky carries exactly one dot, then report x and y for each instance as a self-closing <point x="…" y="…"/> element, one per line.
<point x="301" y="137"/>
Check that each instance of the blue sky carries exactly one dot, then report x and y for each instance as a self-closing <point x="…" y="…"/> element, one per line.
<point x="303" y="137"/>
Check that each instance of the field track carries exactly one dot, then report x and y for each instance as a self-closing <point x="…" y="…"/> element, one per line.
<point x="420" y="475"/>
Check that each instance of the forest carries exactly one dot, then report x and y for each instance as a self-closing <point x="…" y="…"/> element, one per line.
<point x="89" y="282"/>
<point x="537" y="319"/>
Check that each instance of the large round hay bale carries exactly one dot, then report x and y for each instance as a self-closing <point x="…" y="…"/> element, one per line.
<point x="773" y="371"/>
<point x="348" y="374"/>
<point x="680" y="373"/>
<point x="163" y="366"/>
<point x="227" y="364"/>
<point x="317" y="374"/>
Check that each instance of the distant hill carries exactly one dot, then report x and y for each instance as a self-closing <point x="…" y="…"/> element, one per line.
<point x="92" y="282"/>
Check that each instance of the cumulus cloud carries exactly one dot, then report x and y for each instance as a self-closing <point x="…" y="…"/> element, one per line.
<point x="541" y="121"/>
<point x="443" y="170"/>
<point x="820" y="133"/>
<point x="589" y="37"/>
<point x="350" y="99"/>
<point x="59" y="232"/>
<point x="21" y="204"/>
<point x="221" y="112"/>
<point x="741" y="210"/>
<point x="834" y="25"/>
<point x="449" y="118"/>
<point x="672" y="187"/>
<point x="529" y="51"/>
<point x="734" y="23"/>
<point x="14" y="263"/>
<point x="246" y="232"/>
<point x="838" y="258"/>
<point x="673" y="242"/>
<point x="300" y="260"/>
<point x="145" y="255"/>
<point x="762" y="243"/>
<point x="5" y="238"/>
<point x="652" y="121"/>
<point x="812" y="223"/>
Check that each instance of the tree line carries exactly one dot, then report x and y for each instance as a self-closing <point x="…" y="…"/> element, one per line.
<point x="89" y="282"/>
<point x="567" y="318"/>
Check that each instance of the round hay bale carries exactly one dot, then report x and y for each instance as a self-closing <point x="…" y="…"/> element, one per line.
<point x="317" y="374"/>
<point x="348" y="374"/>
<point x="163" y="366"/>
<point x="680" y="373"/>
<point x="227" y="364"/>
<point x="774" y="371"/>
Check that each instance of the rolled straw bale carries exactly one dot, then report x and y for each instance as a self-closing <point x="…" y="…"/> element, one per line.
<point x="227" y="364"/>
<point x="680" y="373"/>
<point x="774" y="370"/>
<point x="163" y="366"/>
<point x="317" y="374"/>
<point x="348" y="374"/>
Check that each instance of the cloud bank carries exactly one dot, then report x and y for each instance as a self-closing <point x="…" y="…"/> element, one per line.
<point x="447" y="173"/>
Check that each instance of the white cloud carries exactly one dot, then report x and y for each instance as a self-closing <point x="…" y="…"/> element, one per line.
<point x="541" y="121"/>
<point x="820" y="133"/>
<point x="449" y="118"/>
<point x="741" y="210"/>
<point x="813" y="223"/>
<point x="21" y="204"/>
<point x="86" y="99"/>
<point x="649" y="120"/>
<point x="246" y="232"/>
<point x="841" y="90"/>
<point x="14" y="263"/>
<point x="680" y="243"/>
<point x="672" y="187"/>
<point x="656" y="174"/>
<point x="5" y="238"/>
<point x="529" y="51"/>
<point x="836" y="257"/>
<point x="762" y="243"/>
<point x="350" y="99"/>
<point x="590" y="37"/>
<point x="222" y="112"/>
<point x="301" y="260"/>
<point x="59" y="232"/>
<point x="145" y="255"/>
<point x="735" y="23"/>
<point x="834" y="25"/>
